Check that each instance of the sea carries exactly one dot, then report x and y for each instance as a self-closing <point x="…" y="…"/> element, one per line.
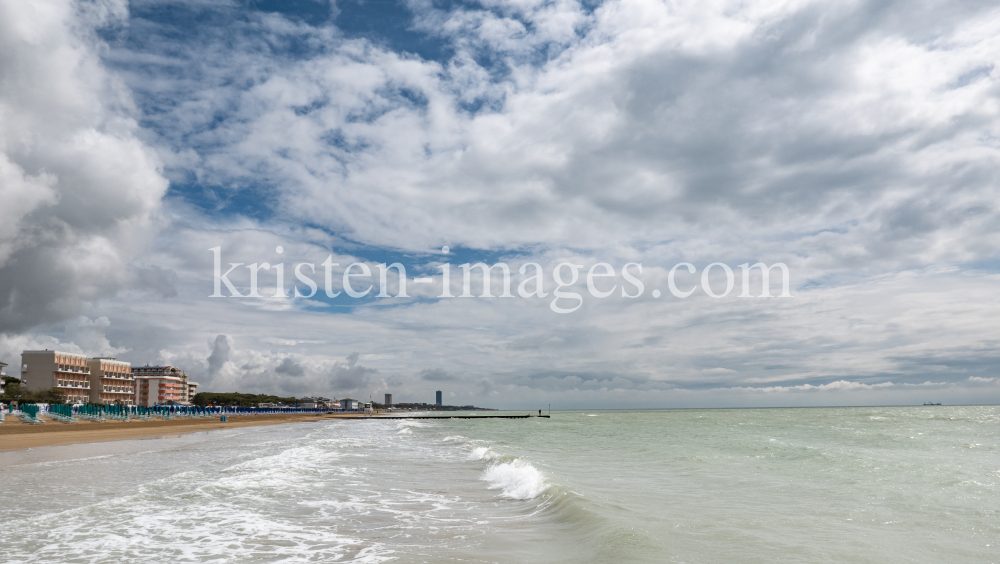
<point x="846" y="485"/>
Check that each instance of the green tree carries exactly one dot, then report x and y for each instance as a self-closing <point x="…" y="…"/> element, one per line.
<point x="238" y="399"/>
<point x="50" y="396"/>
<point x="13" y="391"/>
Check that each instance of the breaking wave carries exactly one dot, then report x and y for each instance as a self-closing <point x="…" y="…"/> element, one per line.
<point x="516" y="479"/>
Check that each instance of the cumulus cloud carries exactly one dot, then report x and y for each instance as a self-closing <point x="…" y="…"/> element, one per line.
<point x="77" y="185"/>
<point x="289" y="367"/>
<point x="806" y="123"/>
<point x="219" y="356"/>
<point x="90" y="335"/>
<point x="855" y="142"/>
<point x="351" y="376"/>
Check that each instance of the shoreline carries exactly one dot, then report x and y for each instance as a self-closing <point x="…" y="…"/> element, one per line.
<point x="16" y="435"/>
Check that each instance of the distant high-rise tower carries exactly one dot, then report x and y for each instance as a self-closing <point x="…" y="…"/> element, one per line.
<point x="438" y="397"/>
<point x="388" y="400"/>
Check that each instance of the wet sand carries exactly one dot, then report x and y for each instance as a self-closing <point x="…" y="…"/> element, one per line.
<point x="17" y="435"/>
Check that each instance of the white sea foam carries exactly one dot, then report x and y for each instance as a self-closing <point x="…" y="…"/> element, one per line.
<point x="337" y="493"/>
<point x="481" y="453"/>
<point x="412" y="423"/>
<point x="341" y="492"/>
<point x="68" y="461"/>
<point x="515" y="479"/>
<point x="197" y="516"/>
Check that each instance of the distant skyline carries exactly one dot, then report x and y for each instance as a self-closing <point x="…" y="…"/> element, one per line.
<point x="858" y="144"/>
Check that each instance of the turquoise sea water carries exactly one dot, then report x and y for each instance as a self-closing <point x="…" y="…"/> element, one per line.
<point x="887" y="484"/>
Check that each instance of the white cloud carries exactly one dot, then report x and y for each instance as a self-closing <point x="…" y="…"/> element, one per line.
<point x="978" y="380"/>
<point x="859" y="150"/>
<point x="720" y="130"/>
<point x="77" y="187"/>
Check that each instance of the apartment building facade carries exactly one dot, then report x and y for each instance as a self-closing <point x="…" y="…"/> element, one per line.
<point x="111" y="381"/>
<point x="162" y="384"/>
<point x="104" y="380"/>
<point x="69" y="372"/>
<point x="315" y="403"/>
<point x="153" y="390"/>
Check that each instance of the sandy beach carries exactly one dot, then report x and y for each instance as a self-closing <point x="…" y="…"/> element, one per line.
<point x="16" y="435"/>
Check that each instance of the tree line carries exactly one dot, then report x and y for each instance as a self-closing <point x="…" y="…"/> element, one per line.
<point x="13" y="391"/>
<point x="237" y="399"/>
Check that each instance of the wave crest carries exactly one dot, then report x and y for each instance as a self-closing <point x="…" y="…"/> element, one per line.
<point x="515" y="479"/>
<point x="482" y="453"/>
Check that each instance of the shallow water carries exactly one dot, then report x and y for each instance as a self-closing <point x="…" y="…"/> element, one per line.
<point x="894" y="484"/>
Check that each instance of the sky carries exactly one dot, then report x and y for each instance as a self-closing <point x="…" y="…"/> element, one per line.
<point x="855" y="142"/>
